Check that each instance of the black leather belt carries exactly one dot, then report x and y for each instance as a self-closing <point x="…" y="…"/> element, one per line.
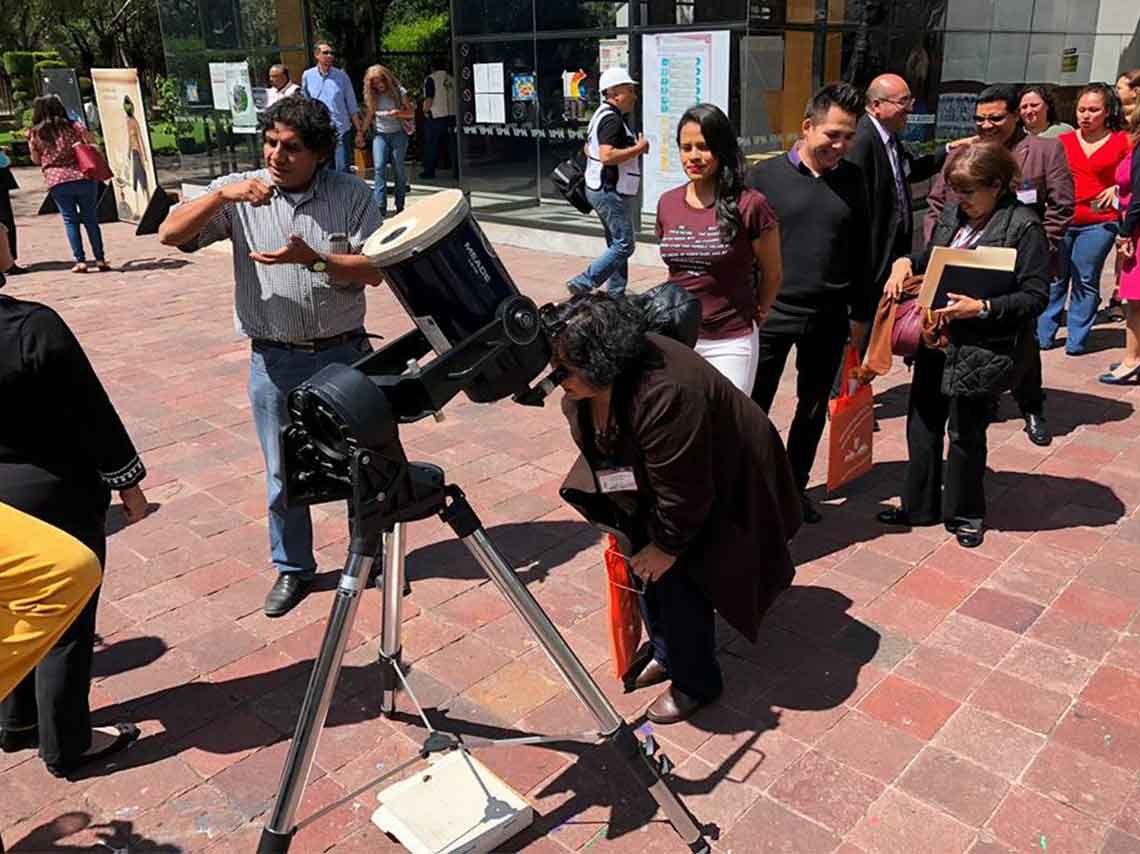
<point x="314" y="345"/>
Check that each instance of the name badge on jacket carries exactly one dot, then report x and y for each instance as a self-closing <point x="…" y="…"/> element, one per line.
<point x="617" y="480"/>
<point x="1027" y="195"/>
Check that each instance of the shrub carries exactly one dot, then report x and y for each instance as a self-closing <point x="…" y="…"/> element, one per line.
<point x="25" y="117"/>
<point x="19" y="63"/>
<point x="48" y="63"/>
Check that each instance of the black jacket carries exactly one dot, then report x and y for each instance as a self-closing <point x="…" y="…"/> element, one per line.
<point x="62" y="445"/>
<point x="890" y="228"/>
<point x="980" y="358"/>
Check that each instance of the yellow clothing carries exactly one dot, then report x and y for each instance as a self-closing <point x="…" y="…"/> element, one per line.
<point x="46" y="577"/>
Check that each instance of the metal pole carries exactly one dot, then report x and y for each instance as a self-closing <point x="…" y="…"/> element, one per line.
<point x="279" y="828"/>
<point x="576" y="676"/>
<point x="391" y="616"/>
<point x="611" y="725"/>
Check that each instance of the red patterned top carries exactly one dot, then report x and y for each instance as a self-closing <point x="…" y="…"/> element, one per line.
<point x="58" y="160"/>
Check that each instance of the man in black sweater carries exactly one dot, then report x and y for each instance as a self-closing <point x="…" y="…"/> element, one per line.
<point x="827" y="295"/>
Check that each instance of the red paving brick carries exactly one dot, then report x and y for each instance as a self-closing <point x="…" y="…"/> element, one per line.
<point x="942" y="674"/>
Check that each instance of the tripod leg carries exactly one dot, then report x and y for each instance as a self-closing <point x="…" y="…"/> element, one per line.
<point x="462" y="519"/>
<point x="281" y="824"/>
<point x="391" y="617"/>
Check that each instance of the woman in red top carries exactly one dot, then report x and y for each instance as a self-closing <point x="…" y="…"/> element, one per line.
<point x="715" y="234"/>
<point x="1093" y="151"/>
<point x="51" y="142"/>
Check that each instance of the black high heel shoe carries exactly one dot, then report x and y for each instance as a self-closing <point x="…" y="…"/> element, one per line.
<point x="127" y="734"/>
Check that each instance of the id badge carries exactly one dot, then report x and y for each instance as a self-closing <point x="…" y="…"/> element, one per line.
<point x="905" y="167"/>
<point x="1027" y="195"/>
<point x="617" y="480"/>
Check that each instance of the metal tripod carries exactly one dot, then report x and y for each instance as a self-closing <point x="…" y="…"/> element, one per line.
<point x="452" y="506"/>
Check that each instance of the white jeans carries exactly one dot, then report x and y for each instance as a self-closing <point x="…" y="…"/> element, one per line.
<point x="736" y="358"/>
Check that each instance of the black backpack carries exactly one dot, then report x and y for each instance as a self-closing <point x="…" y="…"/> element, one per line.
<point x="569" y="179"/>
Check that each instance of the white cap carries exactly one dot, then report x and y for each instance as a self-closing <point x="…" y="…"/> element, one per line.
<point x="614" y="77"/>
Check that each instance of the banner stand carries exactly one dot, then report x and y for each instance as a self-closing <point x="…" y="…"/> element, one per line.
<point x="108" y="208"/>
<point x="156" y="210"/>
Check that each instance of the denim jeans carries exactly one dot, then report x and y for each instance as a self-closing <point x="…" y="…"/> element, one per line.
<point x="78" y="202"/>
<point x="389" y="148"/>
<point x="619" y="216"/>
<point x="1082" y="254"/>
<point x="273" y="373"/>
<point x="342" y="152"/>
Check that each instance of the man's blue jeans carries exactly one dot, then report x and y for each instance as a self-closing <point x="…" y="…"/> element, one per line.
<point x="342" y="152"/>
<point x="273" y="373"/>
<point x="78" y="203"/>
<point x="1082" y="254"/>
<point x="389" y="148"/>
<point x="618" y="215"/>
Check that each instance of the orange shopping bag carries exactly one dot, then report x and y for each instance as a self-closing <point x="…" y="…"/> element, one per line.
<point x="852" y="426"/>
<point x="625" y="613"/>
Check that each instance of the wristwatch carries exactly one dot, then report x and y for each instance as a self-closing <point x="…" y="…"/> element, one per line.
<point x="985" y="310"/>
<point x="319" y="266"/>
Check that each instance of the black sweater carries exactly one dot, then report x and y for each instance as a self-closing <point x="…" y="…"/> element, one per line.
<point x="824" y="237"/>
<point x="62" y="445"/>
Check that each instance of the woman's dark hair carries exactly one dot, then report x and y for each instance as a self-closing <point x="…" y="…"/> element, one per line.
<point x="1045" y="93"/>
<point x="720" y="137"/>
<point x="310" y="119"/>
<point x="49" y="118"/>
<point x="985" y="163"/>
<point x="600" y="336"/>
<point x="1114" y="110"/>
<point x="128" y="105"/>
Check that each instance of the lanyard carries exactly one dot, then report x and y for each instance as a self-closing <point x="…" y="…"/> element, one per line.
<point x="965" y="238"/>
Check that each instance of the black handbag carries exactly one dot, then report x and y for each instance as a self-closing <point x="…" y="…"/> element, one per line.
<point x="569" y="179"/>
<point x="672" y="311"/>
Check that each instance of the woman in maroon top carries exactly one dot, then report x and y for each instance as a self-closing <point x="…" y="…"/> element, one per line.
<point x="51" y="142"/>
<point x="715" y="234"/>
<point x="1093" y="151"/>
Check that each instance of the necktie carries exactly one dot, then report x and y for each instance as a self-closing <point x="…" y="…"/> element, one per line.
<point x="900" y="188"/>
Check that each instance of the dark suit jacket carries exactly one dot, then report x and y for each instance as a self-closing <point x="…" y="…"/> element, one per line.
<point x="714" y="485"/>
<point x="890" y="228"/>
<point x="1044" y="170"/>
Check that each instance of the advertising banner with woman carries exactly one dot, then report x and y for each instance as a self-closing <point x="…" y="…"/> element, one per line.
<point x="125" y="139"/>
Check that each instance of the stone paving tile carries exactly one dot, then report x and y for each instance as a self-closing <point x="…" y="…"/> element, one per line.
<point x="906" y="696"/>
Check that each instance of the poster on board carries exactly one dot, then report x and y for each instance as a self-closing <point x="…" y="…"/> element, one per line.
<point x="125" y="138"/>
<point x="613" y="53"/>
<point x="239" y="96"/>
<point x="63" y="83"/>
<point x="490" y="91"/>
<point x="218" y="85"/>
<point x="679" y="69"/>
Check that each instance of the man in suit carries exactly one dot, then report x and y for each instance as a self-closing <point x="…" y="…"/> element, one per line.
<point x="1047" y="187"/>
<point x="889" y="169"/>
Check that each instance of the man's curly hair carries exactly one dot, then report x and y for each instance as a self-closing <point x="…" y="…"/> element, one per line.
<point x="602" y="337"/>
<point x="310" y="119"/>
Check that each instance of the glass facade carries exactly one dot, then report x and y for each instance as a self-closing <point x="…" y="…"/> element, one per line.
<point x="536" y="64"/>
<point x="780" y="51"/>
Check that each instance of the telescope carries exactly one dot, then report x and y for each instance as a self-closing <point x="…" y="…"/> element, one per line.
<point x="474" y="334"/>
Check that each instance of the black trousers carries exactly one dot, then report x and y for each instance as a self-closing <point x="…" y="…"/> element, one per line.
<point x="928" y="415"/>
<point x="1028" y="383"/>
<point x="54" y="695"/>
<point x="819" y="341"/>
<point x="682" y="630"/>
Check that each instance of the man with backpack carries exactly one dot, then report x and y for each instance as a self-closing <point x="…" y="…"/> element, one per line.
<point x="613" y="175"/>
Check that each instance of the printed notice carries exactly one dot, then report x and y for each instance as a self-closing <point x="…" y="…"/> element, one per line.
<point x="490" y="97"/>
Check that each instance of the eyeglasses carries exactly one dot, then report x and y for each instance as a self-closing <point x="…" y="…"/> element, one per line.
<point x="328" y="53"/>
<point x="990" y="120"/>
<point x="906" y="103"/>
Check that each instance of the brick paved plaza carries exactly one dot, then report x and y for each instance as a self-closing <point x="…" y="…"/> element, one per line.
<point x="906" y="697"/>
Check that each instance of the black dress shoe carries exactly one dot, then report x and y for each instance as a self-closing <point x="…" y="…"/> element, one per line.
<point x="673" y="706"/>
<point x="1037" y="429"/>
<point x="13" y="741"/>
<point x="286" y="593"/>
<point x="653" y="674"/>
<point x="893" y="516"/>
<point x="812" y="516"/>
<point x="969" y="537"/>
<point x="127" y="734"/>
